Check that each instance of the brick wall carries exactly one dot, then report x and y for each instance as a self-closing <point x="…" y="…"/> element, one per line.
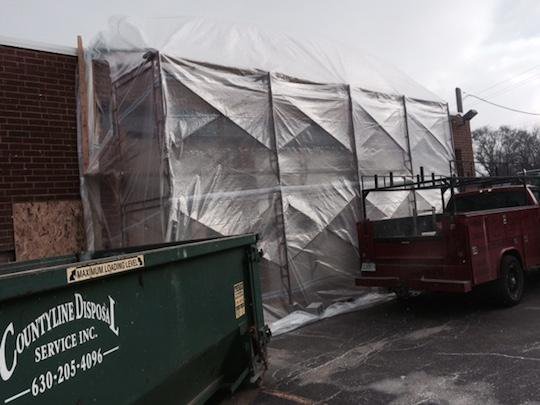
<point x="38" y="132"/>
<point x="463" y="146"/>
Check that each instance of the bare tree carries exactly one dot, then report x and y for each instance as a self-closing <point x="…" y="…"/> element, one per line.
<point x="507" y="151"/>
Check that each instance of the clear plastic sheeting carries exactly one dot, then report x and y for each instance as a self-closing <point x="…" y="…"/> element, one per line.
<point x="300" y="318"/>
<point x="200" y="129"/>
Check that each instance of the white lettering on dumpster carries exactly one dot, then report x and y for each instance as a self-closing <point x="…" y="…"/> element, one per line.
<point x="5" y="370"/>
<point x="64" y="313"/>
<point x="75" y="274"/>
<point x="64" y="372"/>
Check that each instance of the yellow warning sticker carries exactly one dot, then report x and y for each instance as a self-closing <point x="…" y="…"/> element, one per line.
<point x="75" y="274"/>
<point x="239" y="305"/>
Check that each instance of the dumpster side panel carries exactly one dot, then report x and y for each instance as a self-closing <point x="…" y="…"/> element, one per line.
<point x="171" y="333"/>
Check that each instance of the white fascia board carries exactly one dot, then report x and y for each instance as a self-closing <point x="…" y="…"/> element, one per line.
<point x="38" y="46"/>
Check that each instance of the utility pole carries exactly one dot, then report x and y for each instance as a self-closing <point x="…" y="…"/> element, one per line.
<point x="459" y="100"/>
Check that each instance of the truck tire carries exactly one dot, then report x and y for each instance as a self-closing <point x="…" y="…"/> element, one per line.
<point x="509" y="287"/>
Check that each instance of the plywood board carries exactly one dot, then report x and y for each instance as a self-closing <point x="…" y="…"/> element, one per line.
<point x="47" y="228"/>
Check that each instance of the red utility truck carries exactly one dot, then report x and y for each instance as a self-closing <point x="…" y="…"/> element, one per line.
<point x="488" y="234"/>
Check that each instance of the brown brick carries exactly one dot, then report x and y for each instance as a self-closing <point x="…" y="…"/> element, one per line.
<point x="461" y="132"/>
<point x="38" y="131"/>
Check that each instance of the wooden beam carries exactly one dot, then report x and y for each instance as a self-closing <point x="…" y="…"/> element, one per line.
<point x="83" y="105"/>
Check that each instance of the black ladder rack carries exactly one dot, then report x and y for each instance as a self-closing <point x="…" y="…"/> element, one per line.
<point x="443" y="183"/>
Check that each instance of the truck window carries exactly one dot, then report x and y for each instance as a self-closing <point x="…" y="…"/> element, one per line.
<point x="488" y="201"/>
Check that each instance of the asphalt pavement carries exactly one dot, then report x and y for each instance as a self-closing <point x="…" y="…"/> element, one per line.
<point x="432" y="349"/>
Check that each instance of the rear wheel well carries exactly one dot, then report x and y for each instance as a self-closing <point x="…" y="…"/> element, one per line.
<point x="512" y="252"/>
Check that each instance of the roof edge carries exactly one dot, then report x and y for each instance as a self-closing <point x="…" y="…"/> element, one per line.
<point x="37" y="46"/>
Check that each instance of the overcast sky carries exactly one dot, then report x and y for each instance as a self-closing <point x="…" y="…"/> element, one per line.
<point x="487" y="47"/>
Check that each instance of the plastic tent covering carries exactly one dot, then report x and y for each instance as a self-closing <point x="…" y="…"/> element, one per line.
<point x="201" y="129"/>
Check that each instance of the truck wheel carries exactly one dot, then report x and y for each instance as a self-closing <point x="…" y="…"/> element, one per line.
<point x="509" y="288"/>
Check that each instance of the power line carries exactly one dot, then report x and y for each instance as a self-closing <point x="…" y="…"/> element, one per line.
<point x="507" y="79"/>
<point x="511" y="87"/>
<point x="502" y="106"/>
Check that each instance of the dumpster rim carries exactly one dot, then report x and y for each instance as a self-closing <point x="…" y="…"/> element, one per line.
<point x="52" y="277"/>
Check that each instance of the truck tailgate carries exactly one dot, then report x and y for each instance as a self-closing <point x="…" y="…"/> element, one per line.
<point x="433" y="261"/>
<point x="411" y="249"/>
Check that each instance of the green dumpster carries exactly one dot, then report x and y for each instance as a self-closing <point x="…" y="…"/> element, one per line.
<point x="163" y="324"/>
